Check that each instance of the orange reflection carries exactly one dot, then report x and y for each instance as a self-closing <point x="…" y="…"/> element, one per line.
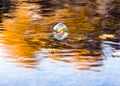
<point x="78" y="59"/>
<point x="20" y="38"/>
<point x="30" y="31"/>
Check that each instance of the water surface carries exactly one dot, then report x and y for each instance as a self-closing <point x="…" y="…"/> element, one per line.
<point x="27" y="58"/>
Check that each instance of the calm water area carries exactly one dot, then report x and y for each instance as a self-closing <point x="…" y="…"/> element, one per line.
<point x="26" y="55"/>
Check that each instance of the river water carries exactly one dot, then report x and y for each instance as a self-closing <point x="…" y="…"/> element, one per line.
<point x="27" y="58"/>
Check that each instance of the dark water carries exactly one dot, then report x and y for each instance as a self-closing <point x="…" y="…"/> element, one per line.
<point x="26" y="55"/>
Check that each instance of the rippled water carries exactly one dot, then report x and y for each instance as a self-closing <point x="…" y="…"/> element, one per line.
<point x="27" y="57"/>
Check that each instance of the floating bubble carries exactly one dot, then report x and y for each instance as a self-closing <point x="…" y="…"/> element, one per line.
<point x="60" y="31"/>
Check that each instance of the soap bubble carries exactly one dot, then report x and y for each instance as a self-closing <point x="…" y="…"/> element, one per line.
<point x="60" y="31"/>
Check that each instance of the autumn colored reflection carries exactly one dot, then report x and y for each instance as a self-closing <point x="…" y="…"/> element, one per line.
<point x="30" y="56"/>
<point x="29" y="31"/>
<point x="79" y="59"/>
<point x="21" y="37"/>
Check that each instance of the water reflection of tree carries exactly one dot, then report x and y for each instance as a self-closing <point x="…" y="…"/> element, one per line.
<point x="79" y="62"/>
<point x="6" y="6"/>
<point x="30" y="30"/>
<point x="15" y="36"/>
<point x="26" y="37"/>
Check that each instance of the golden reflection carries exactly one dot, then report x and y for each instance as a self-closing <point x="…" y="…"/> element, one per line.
<point x="105" y="36"/>
<point x="21" y="37"/>
<point x="78" y="59"/>
<point x="76" y="19"/>
<point x="30" y="31"/>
